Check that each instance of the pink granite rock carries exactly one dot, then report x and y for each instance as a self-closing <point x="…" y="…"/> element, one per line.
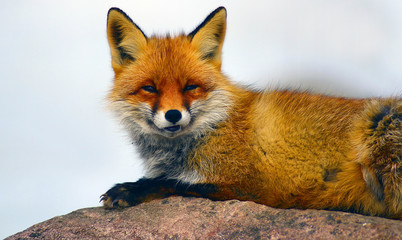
<point x="197" y="218"/>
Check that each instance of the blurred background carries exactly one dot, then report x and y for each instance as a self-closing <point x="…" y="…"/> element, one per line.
<point x="60" y="148"/>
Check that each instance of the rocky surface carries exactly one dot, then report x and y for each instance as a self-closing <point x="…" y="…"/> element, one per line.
<point x="197" y="218"/>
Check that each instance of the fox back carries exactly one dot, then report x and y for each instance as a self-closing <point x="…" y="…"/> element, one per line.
<point x="201" y="135"/>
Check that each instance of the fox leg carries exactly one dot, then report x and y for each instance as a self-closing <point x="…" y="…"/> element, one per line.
<point x="147" y="189"/>
<point x="379" y="140"/>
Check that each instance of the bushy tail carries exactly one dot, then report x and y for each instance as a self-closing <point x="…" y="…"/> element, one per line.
<point x="378" y="138"/>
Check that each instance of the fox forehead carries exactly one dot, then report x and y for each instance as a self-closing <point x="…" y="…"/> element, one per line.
<point x="167" y="62"/>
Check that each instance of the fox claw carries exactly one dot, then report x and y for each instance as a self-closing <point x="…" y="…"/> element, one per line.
<point x="103" y="197"/>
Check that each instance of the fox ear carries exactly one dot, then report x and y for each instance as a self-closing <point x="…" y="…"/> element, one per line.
<point x="125" y="38"/>
<point x="209" y="35"/>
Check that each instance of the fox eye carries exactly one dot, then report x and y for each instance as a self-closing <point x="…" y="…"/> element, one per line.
<point x="150" y="89"/>
<point x="190" y="87"/>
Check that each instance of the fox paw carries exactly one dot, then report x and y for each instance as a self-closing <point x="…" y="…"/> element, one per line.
<point x="119" y="196"/>
<point x="133" y="193"/>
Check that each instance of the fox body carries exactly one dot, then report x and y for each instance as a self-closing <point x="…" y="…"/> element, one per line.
<point x="201" y="135"/>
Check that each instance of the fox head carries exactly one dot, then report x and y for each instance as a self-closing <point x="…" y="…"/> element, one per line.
<point x="168" y="86"/>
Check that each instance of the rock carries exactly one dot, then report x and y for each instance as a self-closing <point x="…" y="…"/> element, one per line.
<point x="198" y="218"/>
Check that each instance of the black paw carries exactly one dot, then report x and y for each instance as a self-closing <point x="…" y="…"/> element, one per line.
<point x="146" y="189"/>
<point x="133" y="193"/>
<point x="121" y="195"/>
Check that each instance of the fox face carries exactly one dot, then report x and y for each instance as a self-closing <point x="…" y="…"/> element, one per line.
<point x="170" y="86"/>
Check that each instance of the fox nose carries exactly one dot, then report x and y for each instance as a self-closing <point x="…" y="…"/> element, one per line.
<point x="173" y="116"/>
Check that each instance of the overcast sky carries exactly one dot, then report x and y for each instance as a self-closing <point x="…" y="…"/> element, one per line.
<point x="60" y="148"/>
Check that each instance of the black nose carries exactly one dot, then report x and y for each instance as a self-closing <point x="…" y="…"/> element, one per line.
<point x="173" y="116"/>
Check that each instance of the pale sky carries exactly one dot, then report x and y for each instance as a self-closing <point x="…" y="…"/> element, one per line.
<point x="60" y="148"/>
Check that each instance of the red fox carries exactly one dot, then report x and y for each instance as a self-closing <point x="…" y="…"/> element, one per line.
<point x="201" y="135"/>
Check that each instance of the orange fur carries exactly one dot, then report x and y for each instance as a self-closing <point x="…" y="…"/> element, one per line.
<point x="279" y="148"/>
